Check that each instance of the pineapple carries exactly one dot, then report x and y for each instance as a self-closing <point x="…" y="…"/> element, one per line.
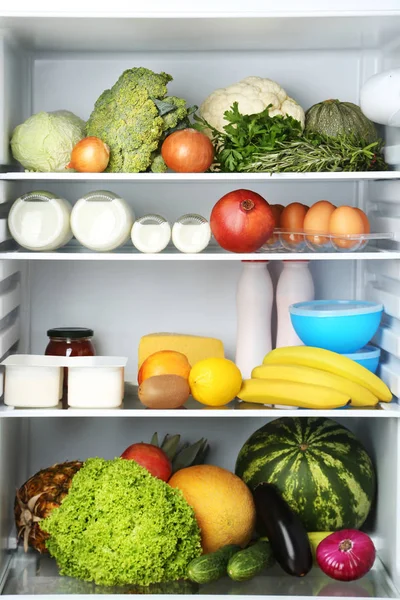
<point x="185" y="456"/>
<point x="35" y="500"/>
<point x="45" y="490"/>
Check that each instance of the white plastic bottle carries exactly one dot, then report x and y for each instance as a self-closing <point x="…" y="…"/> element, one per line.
<point x="254" y="307"/>
<point x="295" y="284"/>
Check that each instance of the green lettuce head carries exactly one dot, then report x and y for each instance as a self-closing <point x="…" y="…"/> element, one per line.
<point x="44" y="142"/>
<point x="119" y="525"/>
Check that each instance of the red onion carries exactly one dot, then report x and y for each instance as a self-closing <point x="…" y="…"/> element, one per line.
<point x="346" y="555"/>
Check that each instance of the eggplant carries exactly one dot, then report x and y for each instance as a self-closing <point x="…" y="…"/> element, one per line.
<point x="285" y="531"/>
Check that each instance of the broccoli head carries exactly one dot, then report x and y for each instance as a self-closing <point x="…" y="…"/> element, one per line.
<point x="133" y="118"/>
<point x="157" y="164"/>
<point x="119" y="525"/>
<point x="173" y="118"/>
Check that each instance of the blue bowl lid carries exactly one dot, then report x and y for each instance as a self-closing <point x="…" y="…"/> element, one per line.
<point x="334" y="308"/>
<point x="368" y="352"/>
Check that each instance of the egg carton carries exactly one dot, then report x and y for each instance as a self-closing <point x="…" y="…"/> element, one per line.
<point x="300" y="241"/>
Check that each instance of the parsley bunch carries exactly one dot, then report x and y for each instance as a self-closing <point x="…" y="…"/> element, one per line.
<point x="261" y="143"/>
<point x="247" y="135"/>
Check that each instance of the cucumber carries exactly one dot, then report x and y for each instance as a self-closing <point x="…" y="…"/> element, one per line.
<point x="210" y="567"/>
<point x="249" y="562"/>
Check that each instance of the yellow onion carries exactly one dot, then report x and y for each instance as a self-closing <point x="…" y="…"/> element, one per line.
<point x="90" y="155"/>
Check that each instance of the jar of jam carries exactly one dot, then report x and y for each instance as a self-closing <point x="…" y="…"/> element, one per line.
<point x="70" y="341"/>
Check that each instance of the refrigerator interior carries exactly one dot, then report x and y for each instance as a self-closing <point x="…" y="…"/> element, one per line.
<point x="49" y="64"/>
<point x="50" y="440"/>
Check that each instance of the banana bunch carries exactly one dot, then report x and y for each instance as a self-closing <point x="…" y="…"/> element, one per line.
<point x="308" y="377"/>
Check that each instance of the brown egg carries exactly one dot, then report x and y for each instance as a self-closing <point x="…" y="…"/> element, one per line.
<point x="164" y="391"/>
<point x="345" y="220"/>
<point x="276" y="211"/>
<point x="367" y="228"/>
<point x="292" y="219"/>
<point x="317" y="219"/>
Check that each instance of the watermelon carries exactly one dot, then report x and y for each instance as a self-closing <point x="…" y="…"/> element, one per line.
<point x="319" y="466"/>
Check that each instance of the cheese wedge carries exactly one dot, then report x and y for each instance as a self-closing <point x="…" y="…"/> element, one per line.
<point x="195" y="347"/>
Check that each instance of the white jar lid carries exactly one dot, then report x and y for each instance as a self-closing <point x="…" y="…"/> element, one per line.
<point x="40" y="221"/>
<point x="101" y="221"/>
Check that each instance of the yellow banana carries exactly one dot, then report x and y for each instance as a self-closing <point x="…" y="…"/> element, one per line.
<point x="359" y="395"/>
<point x="332" y="362"/>
<point x="304" y="395"/>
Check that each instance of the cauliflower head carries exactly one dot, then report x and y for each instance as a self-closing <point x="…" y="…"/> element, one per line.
<point x="133" y="118"/>
<point x="119" y="525"/>
<point x="253" y="95"/>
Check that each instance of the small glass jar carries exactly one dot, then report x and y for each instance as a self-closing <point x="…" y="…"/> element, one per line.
<point x="40" y="221"/>
<point x="70" y="341"/>
<point x="151" y="234"/>
<point x="102" y="221"/>
<point x="191" y="234"/>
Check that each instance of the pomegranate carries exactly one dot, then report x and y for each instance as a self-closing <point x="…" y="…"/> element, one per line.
<point x="242" y="221"/>
<point x="151" y="458"/>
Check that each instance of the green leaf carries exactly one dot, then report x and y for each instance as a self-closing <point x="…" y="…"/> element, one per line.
<point x="202" y="455"/>
<point x="163" y="107"/>
<point x="170" y="445"/>
<point x="186" y="456"/>
<point x="154" y="440"/>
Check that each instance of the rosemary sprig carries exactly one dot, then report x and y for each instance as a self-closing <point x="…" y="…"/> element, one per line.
<point x="316" y="152"/>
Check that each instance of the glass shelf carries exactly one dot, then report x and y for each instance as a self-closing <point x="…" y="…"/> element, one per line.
<point x="33" y="574"/>
<point x="132" y="407"/>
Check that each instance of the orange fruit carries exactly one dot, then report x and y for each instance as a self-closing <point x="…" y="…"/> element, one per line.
<point x="164" y="362"/>
<point x="223" y="505"/>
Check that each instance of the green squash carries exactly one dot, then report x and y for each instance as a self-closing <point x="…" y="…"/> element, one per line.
<point x="334" y="118"/>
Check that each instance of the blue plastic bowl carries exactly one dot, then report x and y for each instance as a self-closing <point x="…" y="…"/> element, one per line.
<point x="343" y="326"/>
<point x="367" y="357"/>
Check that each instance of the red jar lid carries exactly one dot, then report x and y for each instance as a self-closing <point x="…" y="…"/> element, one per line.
<point x="73" y="333"/>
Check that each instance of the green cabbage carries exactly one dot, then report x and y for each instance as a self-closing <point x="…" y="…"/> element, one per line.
<point x="119" y="525"/>
<point x="44" y="142"/>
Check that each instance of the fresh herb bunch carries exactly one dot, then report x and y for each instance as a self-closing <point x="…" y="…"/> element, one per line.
<point x="247" y="135"/>
<point x="315" y="152"/>
<point x="261" y="143"/>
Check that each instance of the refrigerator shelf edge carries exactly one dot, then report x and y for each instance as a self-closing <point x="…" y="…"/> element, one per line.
<point x="10" y="251"/>
<point x="198" y="177"/>
<point x="133" y="408"/>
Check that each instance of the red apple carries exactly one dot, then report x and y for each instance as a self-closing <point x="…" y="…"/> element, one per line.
<point x="151" y="458"/>
<point x="242" y="221"/>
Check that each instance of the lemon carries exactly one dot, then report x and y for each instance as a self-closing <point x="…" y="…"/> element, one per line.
<point x="215" y="381"/>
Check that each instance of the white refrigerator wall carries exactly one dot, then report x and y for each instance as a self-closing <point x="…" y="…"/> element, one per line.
<point x="122" y="301"/>
<point x="75" y="83"/>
